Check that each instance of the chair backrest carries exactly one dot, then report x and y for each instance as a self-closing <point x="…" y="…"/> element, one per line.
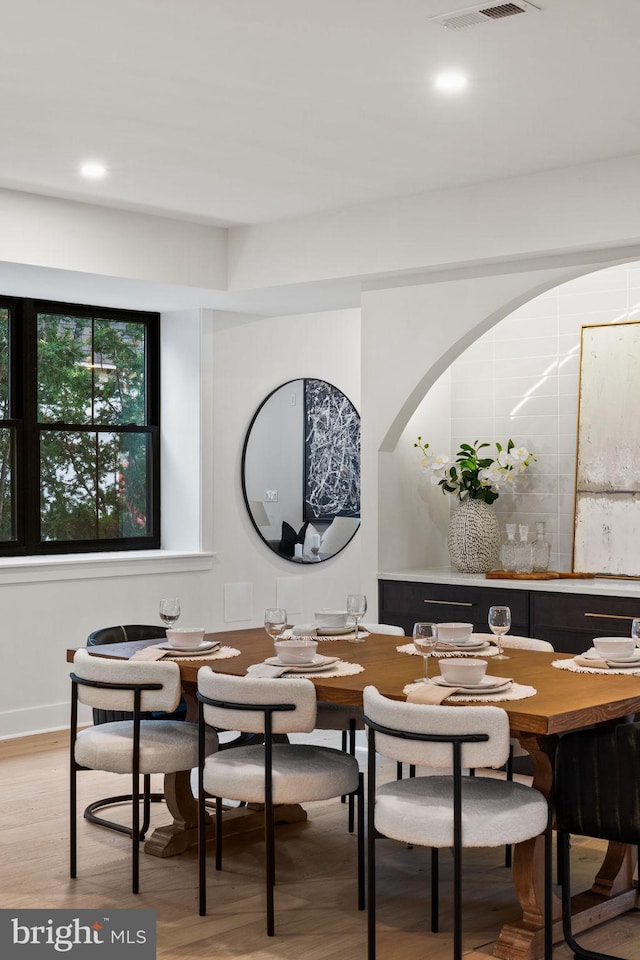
<point x="124" y="632"/>
<point x="423" y="718"/>
<point x="520" y="643"/>
<point x="383" y="628"/>
<point x="259" y="691"/>
<point x="106" y="670"/>
<point x="597" y="783"/>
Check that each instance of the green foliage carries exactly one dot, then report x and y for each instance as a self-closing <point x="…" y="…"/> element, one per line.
<point x="475" y="476"/>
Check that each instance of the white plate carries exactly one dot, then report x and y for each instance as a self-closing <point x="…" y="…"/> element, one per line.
<point x="487" y="684"/>
<point x="318" y="663"/>
<point x="205" y="646"/>
<point x="476" y="645"/>
<point x="634" y="661"/>
<point x="334" y="631"/>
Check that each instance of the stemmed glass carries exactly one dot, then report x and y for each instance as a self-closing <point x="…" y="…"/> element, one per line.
<point x="170" y="611"/>
<point x="635" y="630"/>
<point x="425" y="640"/>
<point x="275" y="622"/>
<point x="356" y="608"/>
<point x="499" y="624"/>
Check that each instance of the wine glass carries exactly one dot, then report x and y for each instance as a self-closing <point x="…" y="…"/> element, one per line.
<point x="635" y="630"/>
<point x="425" y="640"/>
<point x="356" y="608"/>
<point x="170" y="611"/>
<point x="499" y="624"/>
<point x="275" y="622"/>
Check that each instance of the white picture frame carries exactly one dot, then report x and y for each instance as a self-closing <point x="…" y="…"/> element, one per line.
<point x="607" y="490"/>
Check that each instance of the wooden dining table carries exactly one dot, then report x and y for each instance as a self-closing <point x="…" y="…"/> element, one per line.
<point x="564" y="701"/>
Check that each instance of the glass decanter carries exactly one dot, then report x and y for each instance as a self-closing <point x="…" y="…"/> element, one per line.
<point x="508" y="549"/>
<point x="523" y="562"/>
<point x="540" y="549"/>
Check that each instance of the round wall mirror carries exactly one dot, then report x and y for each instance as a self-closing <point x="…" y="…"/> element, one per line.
<point x="301" y="470"/>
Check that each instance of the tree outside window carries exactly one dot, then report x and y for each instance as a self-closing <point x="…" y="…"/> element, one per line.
<point x="86" y="444"/>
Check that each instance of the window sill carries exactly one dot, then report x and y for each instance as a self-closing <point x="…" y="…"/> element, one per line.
<point x="94" y="566"/>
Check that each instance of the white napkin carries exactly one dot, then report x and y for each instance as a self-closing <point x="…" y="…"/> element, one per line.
<point x="305" y="630"/>
<point x="265" y="670"/>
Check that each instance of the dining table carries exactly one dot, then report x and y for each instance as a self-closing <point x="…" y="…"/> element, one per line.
<point x="562" y="701"/>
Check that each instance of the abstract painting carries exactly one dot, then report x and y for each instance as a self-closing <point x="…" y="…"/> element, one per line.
<point x="331" y="453"/>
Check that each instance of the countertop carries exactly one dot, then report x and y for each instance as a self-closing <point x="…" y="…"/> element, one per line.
<point x="600" y="586"/>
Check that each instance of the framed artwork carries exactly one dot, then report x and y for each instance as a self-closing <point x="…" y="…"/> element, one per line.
<point x="607" y="496"/>
<point x="331" y="453"/>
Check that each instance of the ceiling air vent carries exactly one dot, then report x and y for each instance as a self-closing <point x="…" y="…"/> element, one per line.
<point x="483" y="13"/>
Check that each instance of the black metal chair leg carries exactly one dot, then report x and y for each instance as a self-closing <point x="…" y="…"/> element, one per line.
<point x="580" y="953"/>
<point x="73" y="826"/>
<point x="343" y="747"/>
<point x="135" y="830"/>
<point x="371" y="849"/>
<point x="435" y="890"/>
<point x="218" y="833"/>
<point x="509" y="776"/>
<point x="270" y="843"/>
<point x="146" y="805"/>
<point x="352" y="751"/>
<point x="360" y="795"/>
<point x="398" y="771"/>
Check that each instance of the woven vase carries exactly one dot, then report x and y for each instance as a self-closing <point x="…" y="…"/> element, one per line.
<point x="474" y="537"/>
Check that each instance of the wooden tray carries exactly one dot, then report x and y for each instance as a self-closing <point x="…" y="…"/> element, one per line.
<point x="541" y="575"/>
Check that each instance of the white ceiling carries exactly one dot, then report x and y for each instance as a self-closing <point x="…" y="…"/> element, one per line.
<point x="245" y="111"/>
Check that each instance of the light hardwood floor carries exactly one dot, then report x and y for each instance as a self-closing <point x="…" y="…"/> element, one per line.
<point x="316" y="915"/>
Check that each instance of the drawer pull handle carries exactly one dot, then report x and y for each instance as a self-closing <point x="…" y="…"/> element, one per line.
<point x="608" y="616"/>
<point x="451" y="603"/>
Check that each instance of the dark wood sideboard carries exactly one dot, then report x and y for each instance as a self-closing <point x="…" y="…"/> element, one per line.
<point x="567" y="620"/>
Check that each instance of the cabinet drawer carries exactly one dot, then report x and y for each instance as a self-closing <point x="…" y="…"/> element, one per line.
<point x="582" y="613"/>
<point x="405" y="602"/>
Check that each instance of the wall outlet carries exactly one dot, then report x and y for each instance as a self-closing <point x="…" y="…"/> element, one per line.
<point x="271" y="496"/>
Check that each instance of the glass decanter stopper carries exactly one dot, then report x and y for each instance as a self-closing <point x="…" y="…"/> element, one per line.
<point x="523" y="550"/>
<point x="508" y="549"/>
<point x="540" y="549"/>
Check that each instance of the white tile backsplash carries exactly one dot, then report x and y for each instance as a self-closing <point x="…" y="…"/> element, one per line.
<point x="533" y="355"/>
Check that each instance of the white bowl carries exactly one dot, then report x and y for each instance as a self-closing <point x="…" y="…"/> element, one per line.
<point x="459" y="632"/>
<point x="296" y="650"/>
<point x="615" y="647"/>
<point x="462" y="671"/>
<point x="332" y="619"/>
<point x="187" y="637"/>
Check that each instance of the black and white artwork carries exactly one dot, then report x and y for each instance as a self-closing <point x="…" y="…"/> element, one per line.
<point x="332" y="453"/>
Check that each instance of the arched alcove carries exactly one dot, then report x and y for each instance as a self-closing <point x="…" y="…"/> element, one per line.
<point x="519" y="379"/>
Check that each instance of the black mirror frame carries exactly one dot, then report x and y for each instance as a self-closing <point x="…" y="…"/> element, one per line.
<point x="244" y="486"/>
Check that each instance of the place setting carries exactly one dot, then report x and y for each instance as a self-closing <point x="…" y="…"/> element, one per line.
<point x="618" y="655"/>
<point x="334" y="624"/>
<point x="461" y="679"/>
<point x="183" y="643"/>
<point x="296" y="655"/>
<point x="456" y="640"/>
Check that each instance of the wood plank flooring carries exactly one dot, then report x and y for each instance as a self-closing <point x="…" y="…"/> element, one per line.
<point x="316" y="915"/>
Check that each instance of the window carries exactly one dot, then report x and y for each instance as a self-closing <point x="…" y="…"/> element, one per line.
<point x="79" y="428"/>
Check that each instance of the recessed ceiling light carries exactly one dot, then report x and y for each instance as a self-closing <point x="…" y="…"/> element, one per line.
<point x="93" y="170"/>
<point x="451" y="81"/>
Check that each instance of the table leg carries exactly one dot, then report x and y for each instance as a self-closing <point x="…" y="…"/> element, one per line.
<point x="182" y="833"/>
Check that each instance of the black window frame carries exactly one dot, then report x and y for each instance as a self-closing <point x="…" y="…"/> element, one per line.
<point x="23" y="380"/>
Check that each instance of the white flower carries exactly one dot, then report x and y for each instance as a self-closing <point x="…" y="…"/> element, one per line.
<point x="440" y="462"/>
<point x="504" y="459"/>
<point x="519" y="454"/>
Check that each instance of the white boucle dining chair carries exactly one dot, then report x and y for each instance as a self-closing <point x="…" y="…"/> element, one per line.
<point x="136" y="747"/>
<point x="346" y="718"/>
<point x="450" y="810"/>
<point x="267" y="773"/>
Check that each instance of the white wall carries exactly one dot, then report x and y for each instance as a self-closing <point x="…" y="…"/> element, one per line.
<point x="251" y="358"/>
<point x="410" y="337"/>
<point x="520" y="380"/>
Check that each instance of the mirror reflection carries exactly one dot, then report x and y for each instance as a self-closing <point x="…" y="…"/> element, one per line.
<point x="301" y="470"/>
